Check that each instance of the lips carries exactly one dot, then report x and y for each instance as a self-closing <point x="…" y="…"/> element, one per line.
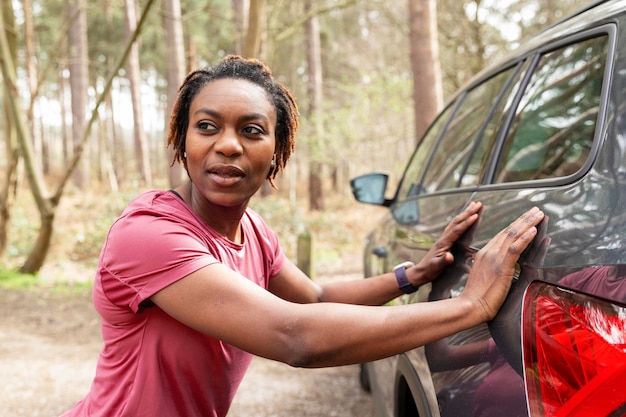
<point x="227" y="171"/>
<point x="226" y="175"/>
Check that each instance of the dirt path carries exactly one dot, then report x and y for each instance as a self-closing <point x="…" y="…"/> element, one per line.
<point x="49" y="344"/>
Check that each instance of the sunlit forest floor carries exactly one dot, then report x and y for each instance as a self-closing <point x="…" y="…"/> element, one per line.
<point x="50" y="343"/>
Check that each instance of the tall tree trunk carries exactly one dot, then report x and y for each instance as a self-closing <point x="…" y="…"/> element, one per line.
<point x="65" y="129"/>
<point x="142" y="151"/>
<point x="8" y="185"/>
<point x="252" y="48"/>
<point x="107" y="171"/>
<point x="79" y="83"/>
<point x="256" y="29"/>
<point x="427" y="90"/>
<point x="175" y="74"/>
<point x="31" y="73"/>
<point x="111" y="145"/>
<point x="34" y="175"/>
<point x="314" y="87"/>
<point x="240" y="20"/>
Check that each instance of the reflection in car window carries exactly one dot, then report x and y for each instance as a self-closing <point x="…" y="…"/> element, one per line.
<point x="476" y="166"/>
<point x="411" y="182"/>
<point x="555" y="122"/>
<point x="458" y="143"/>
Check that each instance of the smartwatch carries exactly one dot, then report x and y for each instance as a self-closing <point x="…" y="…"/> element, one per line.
<point x="403" y="282"/>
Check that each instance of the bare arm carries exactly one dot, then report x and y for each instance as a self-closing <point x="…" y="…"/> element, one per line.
<point x="291" y="284"/>
<point x="220" y="303"/>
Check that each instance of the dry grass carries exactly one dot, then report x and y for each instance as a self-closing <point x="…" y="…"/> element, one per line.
<point x="83" y="219"/>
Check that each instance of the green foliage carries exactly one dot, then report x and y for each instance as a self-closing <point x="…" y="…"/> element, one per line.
<point x="287" y="221"/>
<point x="338" y="231"/>
<point x="10" y="278"/>
<point x="81" y="225"/>
<point x="367" y="126"/>
<point x="14" y="280"/>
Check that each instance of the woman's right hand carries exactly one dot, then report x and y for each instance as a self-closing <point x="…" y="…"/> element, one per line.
<point x="491" y="275"/>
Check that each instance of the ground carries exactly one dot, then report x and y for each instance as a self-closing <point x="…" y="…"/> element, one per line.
<point x="49" y="344"/>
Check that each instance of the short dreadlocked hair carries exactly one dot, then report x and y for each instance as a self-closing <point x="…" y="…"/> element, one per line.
<point x="252" y="70"/>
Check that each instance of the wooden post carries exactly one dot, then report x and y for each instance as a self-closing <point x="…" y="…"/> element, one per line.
<point x="305" y="253"/>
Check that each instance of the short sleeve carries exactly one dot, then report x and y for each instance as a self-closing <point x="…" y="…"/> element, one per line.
<point x="145" y="252"/>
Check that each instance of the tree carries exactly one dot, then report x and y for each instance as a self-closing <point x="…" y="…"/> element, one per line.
<point x="175" y="72"/>
<point x="365" y="118"/>
<point x="256" y="29"/>
<point x="108" y="137"/>
<point x="48" y="202"/>
<point x="31" y="73"/>
<point x="314" y="70"/>
<point x="240" y="19"/>
<point x="79" y="82"/>
<point x="424" y="51"/>
<point x="142" y="152"/>
<point x="7" y="188"/>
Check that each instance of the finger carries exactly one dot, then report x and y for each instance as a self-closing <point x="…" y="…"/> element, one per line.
<point x="462" y="221"/>
<point x="519" y="234"/>
<point x="529" y="221"/>
<point x="522" y="241"/>
<point x="472" y="208"/>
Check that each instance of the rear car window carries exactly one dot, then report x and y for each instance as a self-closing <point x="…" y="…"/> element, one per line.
<point x="414" y="172"/>
<point x="550" y="134"/>
<point x="555" y="121"/>
<point x="478" y="116"/>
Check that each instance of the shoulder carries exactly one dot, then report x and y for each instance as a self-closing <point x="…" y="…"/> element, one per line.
<point x="254" y="220"/>
<point x="156" y="204"/>
<point x="254" y="216"/>
<point x="154" y="242"/>
<point x="158" y="220"/>
<point x="157" y="200"/>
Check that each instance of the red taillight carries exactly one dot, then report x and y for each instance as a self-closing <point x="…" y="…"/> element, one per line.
<point x="574" y="354"/>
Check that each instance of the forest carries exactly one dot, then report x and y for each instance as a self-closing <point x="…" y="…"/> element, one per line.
<point x="88" y="87"/>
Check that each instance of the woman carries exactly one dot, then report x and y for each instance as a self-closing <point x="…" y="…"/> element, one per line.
<point x="191" y="282"/>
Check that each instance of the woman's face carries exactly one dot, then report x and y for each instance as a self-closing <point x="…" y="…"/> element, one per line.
<point x="230" y="141"/>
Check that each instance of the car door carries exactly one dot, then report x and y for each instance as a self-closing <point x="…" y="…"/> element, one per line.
<point x="427" y="199"/>
<point x="541" y="153"/>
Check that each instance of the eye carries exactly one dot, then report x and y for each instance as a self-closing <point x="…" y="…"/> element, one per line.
<point x="252" y="130"/>
<point x="205" y="125"/>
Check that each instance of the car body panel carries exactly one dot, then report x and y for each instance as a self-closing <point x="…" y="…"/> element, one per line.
<point x="480" y="372"/>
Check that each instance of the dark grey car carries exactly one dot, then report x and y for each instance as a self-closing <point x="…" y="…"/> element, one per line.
<point x="544" y="127"/>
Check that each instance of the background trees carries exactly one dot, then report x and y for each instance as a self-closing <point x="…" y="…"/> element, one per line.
<point x="352" y="64"/>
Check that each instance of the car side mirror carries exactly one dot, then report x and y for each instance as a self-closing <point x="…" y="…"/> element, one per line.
<point x="370" y="188"/>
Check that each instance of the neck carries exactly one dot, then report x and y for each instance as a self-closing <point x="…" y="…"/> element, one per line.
<point x="224" y="220"/>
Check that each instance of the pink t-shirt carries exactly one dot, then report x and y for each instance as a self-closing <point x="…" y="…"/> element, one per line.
<point x="152" y="365"/>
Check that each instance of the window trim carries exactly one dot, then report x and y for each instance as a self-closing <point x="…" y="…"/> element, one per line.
<point x="610" y="30"/>
<point x="519" y="66"/>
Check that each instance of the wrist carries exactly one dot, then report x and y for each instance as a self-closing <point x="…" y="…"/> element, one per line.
<point x="404" y="283"/>
<point x="417" y="275"/>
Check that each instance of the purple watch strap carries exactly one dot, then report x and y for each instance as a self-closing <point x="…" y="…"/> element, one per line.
<point x="403" y="281"/>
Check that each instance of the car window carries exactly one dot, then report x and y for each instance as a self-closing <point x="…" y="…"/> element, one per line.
<point x="411" y="181"/>
<point x="480" y="105"/>
<point x="478" y="163"/>
<point x="554" y="125"/>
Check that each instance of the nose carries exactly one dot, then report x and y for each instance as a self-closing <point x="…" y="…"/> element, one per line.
<point x="228" y="143"/>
